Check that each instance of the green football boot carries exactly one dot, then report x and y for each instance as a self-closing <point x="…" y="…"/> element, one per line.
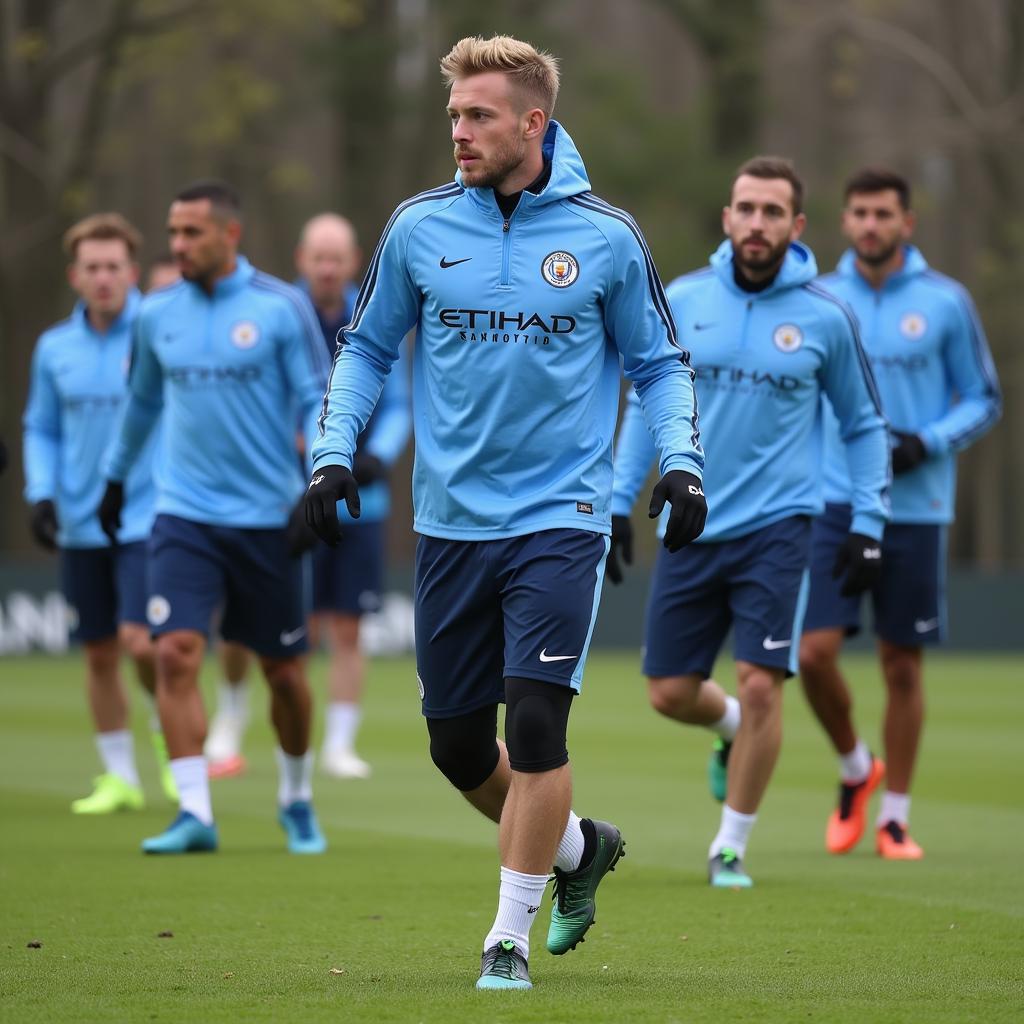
<point x="573" y="895"/>
<point x="110" y="793"/>
<point x="725" y="871"/>
<point x="718" y="768"/>
<point x="163" y="763"/>
<point x="503" y="966"/>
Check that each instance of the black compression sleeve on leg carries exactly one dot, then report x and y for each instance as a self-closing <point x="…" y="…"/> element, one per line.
<point x="465" y="748"/>
<point x="536" y="719"/>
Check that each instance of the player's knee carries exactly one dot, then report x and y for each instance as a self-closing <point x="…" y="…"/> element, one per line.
<point x="816" y="656"/>
<point x="177" y="658"/>
<point x="283" y="675"/>
<point x="465" y="748"/>
<point x="672" y="696"/>
<point x="101" y="657"/>
<point x="136" y="643"/>
<point x="536" y="720"/>
<point x="760" y="695"/>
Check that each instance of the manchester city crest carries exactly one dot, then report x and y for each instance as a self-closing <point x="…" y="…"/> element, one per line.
<point x="245" y="334"/>
<point x="788" y="337"/>
<point x="560" y="269"/>
<point x="913" y="326"/>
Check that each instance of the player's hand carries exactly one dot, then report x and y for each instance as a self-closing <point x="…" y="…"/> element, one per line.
<point x="297" y="533"/>
<point x="109" y="511"/>
<point x="43" y="524"/>
<point x="367" y="468"/>
<point x="684" y="493"/>
<point x="860" y="558"/>
<point x="329" y="485"/>
<point x="622" y="543"/>
<point x="908" y="453"/>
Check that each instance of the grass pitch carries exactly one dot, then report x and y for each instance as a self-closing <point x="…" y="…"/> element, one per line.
<point x="387" y="926"/>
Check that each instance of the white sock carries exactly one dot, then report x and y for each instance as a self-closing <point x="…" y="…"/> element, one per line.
<point x="193" y="786"/>
<point x="855" y="766"/>
<point x="233" y="698"/>
<point x="895" y="807"/>
<point x="342" y="723"/>
<point x="295" y="775"/>
<point x="519" y="899"/>
<point x="728" y="725"/>
<point x="570" y="846"/>
<point x="733" y="832"/>
<point x="117" y="752"/>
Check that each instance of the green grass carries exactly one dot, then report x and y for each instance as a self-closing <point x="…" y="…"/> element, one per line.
<point x="400" y="904"/>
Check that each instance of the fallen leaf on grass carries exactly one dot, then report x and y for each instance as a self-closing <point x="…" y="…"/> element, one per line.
<point x="35" y="944"/>
<point x="229" y="974"/>
<point x="337" y="970"/>
<point x="165" y="935"/>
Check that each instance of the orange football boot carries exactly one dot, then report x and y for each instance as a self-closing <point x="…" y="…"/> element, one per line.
<point x="227" y="767"/>
<point x="893" y="843"/>
<point x="847" y="822"/>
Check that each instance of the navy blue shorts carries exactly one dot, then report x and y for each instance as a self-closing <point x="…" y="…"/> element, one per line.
<point x="757" y="584"/>
<point x="909" y="603"/>
<point x="196" y="569"/>
<point x="488" y="610"/>
<point x="348" y="579"/>
<point x="104" y="587"/>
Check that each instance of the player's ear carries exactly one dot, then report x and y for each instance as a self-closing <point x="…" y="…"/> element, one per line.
<point x="799" y="223"/>
<point x="725" y="220"/>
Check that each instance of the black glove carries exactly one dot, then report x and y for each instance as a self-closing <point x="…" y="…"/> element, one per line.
<point x="689" y="509"/>
<point x="366" y="468"/>
<point x="860" y="558"/>
<point x="622" y="541"/>
<point x="329" y="485"/>
<point x="908" y="453"/>
<point x="299" y="536"/>
<point x="43" y="524"/>
<point x="109" y="511"/>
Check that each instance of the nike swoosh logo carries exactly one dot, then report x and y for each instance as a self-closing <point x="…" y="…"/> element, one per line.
<point x="444" y="264"/>
<point x="293" y="637"/>
<point x="925" y="625"/>
<point x="703" y="327"/>
<point x="773" y="645"/>
<point x="545" y="657"/>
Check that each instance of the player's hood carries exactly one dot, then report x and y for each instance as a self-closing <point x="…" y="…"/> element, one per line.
<point x="568" y="177"/>
<point x="914" y="264"/>
<point x="799" y="267"/>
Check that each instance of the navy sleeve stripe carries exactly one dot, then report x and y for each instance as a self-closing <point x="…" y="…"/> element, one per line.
<point x="314" y="336"/>
<point x="981" y="350"/>
<point x="448" y="190"/>
<point x="589" y="201"/>
<point x="869" y="377"/>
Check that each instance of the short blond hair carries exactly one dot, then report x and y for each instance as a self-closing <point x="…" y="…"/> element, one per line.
<point x="103" y="227"/>
<point x="534" y="72"/>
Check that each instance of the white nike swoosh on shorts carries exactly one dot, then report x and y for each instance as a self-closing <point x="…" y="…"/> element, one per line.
<point x="293" y="637"/>
<point x="774" y="645"/>
<point x="545" y="657"/>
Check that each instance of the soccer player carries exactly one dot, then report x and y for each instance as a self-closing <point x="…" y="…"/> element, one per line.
<point x="223" y="744"/>
<point x="940" y="394"/>
<point x="526" y="291"/>
<point x="766" y="342"/>
<point x="225" y="355"/>
<point x="347" y="580"/>
<point x="77" y="389"/>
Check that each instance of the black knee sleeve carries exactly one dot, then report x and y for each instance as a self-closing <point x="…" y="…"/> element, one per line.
<point x="465" y="748"/>
<point x="536" y="718"/>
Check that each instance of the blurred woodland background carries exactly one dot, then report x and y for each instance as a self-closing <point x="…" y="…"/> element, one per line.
<point x="338" y="104"/>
